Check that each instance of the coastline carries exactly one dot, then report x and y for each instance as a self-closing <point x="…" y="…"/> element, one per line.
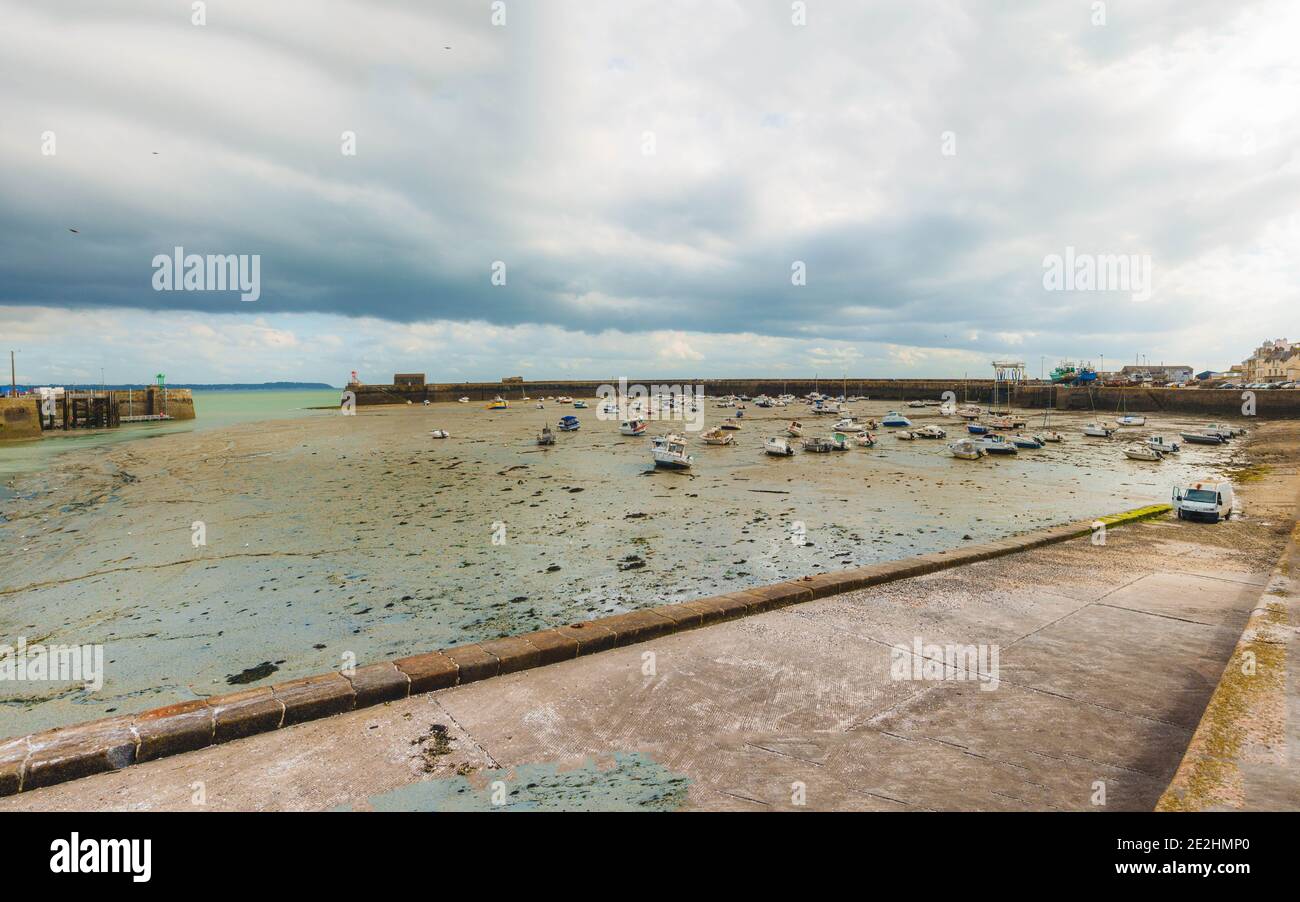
<point x="284" y="583"/>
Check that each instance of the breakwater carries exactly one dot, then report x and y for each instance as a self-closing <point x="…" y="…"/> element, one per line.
<point x="1276" y="404"/>
<point x="25" y="417"/>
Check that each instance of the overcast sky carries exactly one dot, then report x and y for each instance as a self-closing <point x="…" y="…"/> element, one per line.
<point x="649" y="173"/>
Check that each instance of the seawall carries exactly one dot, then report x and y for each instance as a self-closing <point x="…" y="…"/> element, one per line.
<point x="20" y="418"/>
<point x="1275" y="404"/>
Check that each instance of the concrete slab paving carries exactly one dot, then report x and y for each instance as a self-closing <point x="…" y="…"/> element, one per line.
<point x="754" y="714"/>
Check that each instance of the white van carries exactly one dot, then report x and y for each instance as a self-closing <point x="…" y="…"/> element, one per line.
<point x="1208" y="499"/>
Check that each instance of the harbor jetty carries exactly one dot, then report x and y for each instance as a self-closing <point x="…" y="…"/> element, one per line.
<point x="1034" y="394"/>
<point x="29" y="416"/>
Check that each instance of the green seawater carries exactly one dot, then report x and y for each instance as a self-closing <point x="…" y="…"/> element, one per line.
<point x="212" y="410"/>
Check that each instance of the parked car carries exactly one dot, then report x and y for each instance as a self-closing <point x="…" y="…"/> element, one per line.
<point x="1206" y="500"/>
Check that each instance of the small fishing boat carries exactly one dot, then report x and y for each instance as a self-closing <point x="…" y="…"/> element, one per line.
<point x="864" y="439"/>
<point x="762" y="401"/>
<point x="777" y="447"/>
<point x="569" y="424"/>
<point x="905" y="435"/>
<point x="579" y="405"/>
<point x="563" y="399"/>
<point x="1203" y="438"/>
<point x="916" y="404"/>
<point x="632" y="427"/>
<point x="977" y="428"/>
<point x="609" y="408"/>
<point x="846" y="425"/>
<point x="969" y="412"/>
<point x="966" y="449"/>
<point x="1129" y="420"/>
<point x="730" y="424"/>
<point x="1158" y="442"/>
<point x="1001" y="423"/>
<point x="462" y="400"/>
<point x="717" y="436"/>
<point x="440" y="433"/>
<point x="1224" y="430"/>
<point x="1143" y="452"/>
<point x="929" y="432"/>
<point x="1051" y="436"/>
<point x="823" y="445"/>
<point x="1032" y="442"/>
<point x="998" y="444"/>
<point x="669" y="452"/>
<point x="541" y="406"/>
<point x="894" y="419"/>
<point x="795" y="429"/>
<point x="1098" y="430"/>
<point x="546" y="436"/>
<point x="499" y="403"/>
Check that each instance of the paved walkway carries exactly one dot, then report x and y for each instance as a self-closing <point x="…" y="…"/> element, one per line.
<point x="1107" y="657"/>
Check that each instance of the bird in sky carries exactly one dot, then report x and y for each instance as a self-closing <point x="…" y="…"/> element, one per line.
<point x="74" y="231"/>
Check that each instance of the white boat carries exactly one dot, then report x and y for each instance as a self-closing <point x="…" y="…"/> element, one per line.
<point x="970" y="412"/>
<point x="795" y="429"/>
<point x="1051" y="436"/>
<point x="823" y="445"/>
<point x="580" y="405"/>
<point x="916" y="404"/>
<point x="864" y="439"/>
<point x="846" y="425"/>
<point x="998" y="444"/>
<point x="894" y="419"/>
<point x="966" y="449"/>
<point x="1142" y="452"/>
<point x="1203" y="438"/>
<point x="730" y="424"/>
<point x="541" y="406"/>
<point x="546" y="436"/>
<point x="1158" y="443"/>
<point x="1021" y="440"/>
<point x="563" y="399"/>
<point x="669" y="452"/>
<point x="716" y="436"/>
<point x="905" y="436"/>
<point x="440" y="433"/>
<point x="1223" y="430"/>
<point x="929" y="432"/>
<point x="632" y="427"/>
<point x="1098" y="430"/>
<point x="777" y="447"/>
<point x="462" y="400"/>
<point x="1131" y="421"/>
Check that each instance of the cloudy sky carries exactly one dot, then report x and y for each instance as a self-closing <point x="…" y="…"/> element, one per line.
<point x="651" y="175"/>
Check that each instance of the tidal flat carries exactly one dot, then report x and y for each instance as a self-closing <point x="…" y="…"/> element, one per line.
<point x="329" y="539"/>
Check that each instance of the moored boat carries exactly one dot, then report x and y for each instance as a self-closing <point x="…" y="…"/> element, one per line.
<point x="864" y="439"/>
<point x="777" y="446"/>
<point x="933" y="432"/>
<point x="669" y="452"/>
<point x="1203" y="438"/>
<point x="440" y="433"/>
<point x="716" y="436"/>
<point x="1098" y="430"/>
<point x="998" y="444"/>
<point x="894" y="419"/>
<point x="966" y="449"/>
<point x="730" y="424"/>
<point x="546" y="436"/>
<point x="632" y="427"/>
<point x="1021" y="440"/>
<point x="569" y="424"/>
<point x="1142" y="452"/>
<point x="1158" y="442"/>
<point x="977" y="428"/>
<point x="795" y="429"/>
<point x="499" y="403"/>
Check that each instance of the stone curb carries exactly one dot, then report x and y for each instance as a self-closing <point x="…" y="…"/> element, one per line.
<point x="80" y="750"/>
<point x="1208" y="776"/>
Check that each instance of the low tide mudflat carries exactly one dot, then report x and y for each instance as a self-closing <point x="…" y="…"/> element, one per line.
<point x="329" y="536"/>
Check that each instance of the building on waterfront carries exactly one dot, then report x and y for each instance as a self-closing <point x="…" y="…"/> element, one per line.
<point x="1158" y="374"/>
<point x="1273" y="361"/>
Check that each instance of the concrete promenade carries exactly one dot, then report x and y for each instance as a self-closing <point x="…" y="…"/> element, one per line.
<point x="1108" y="656"/>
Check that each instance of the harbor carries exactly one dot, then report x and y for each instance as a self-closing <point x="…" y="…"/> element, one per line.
<point x="365" y="535"/>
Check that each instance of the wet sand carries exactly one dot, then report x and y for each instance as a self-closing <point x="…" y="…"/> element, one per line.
<point x="331" y="536"/>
